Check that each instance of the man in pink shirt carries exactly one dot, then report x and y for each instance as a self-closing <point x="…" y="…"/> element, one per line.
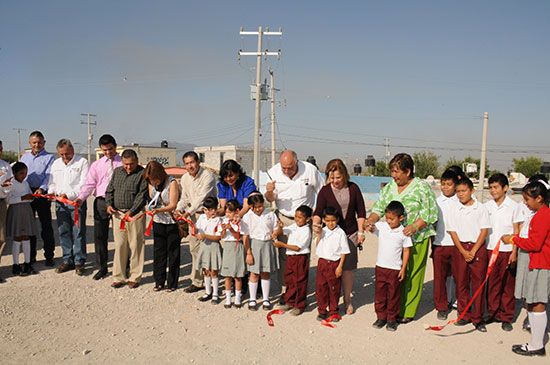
<point x="97" y="179"/>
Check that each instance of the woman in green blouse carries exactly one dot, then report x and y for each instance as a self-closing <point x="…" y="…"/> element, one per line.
<point x="420" y="215"/>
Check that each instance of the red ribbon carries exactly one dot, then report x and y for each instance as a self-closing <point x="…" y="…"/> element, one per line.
<point x="62" y="200"/>
<point x="326" y="322"/>
<point x="193" y="230"/>
<point x="492" y="260"/>
<point x="269" y="319"/>
<point x="127" y="218"/>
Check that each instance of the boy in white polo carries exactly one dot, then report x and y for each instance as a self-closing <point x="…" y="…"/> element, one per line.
<point x="393" y="257"/>
<point x="506" y="216"/>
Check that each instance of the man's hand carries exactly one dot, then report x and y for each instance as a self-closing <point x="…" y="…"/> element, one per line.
<point x="39" y="191"/>
<point x="111" y="210"/>
<point x="186" y="215"/>
<point x="270" y="187"/>
<point x="317" y="227"/>
<point x="177" y="214"/>
<point x="78" y="202"/>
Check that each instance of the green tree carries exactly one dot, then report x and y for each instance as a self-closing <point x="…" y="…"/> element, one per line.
<point x="453" y="161"/>
<point x="381" y="169"/>
<point x="528" y="166"/>
<point x="426" y="163"/>
<point x="9" y="156"/>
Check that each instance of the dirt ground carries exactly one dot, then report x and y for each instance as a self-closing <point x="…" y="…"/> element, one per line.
<point x="64" y="318"/>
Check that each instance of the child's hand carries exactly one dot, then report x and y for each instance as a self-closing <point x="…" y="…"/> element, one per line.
<point x="338" y="271"/>
<point x="201" y="236"/>
<point x="506" y="238"/>
<point x="274" y="236"/>
<point x="401" y="275"/>
<point x="277" y="243"/>
<point x="317" y="228"/>
<point x="469" y="256"/>
<point x="513" y="259"/>
<point x="237" y="218"/>
<point x="226" y="226"/>
<point x="27" y="197"/>
<point x="249" y="259"/>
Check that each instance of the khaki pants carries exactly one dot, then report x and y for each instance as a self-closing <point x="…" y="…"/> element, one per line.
<point x="197" y="277"/>
<point x="130" y="238"/>
<point x="282" y="251"/>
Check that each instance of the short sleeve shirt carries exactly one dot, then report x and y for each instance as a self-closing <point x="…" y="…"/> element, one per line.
<point x="226" y="191"/>
<point x="207" y="226"/>
<point x="468" y="221"/>
<point x="502" y="220"/>
<point x="298" y="236"/>
<point x="444" y="204"/>
<point x="390" y="246"/>
<point x="260" y="227"/>
<point x="240" y="227"/>
<point x="333" y="244"/>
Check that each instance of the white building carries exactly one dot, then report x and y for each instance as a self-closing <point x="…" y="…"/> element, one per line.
<point x="214" y="156"/>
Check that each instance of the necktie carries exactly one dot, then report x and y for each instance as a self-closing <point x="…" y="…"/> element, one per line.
<point x="110" y="170"/>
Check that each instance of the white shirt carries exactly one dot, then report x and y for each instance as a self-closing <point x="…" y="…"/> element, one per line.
<point x="502" y="220"/>
<point x="468" y="220"/>
<point x="390" y="245"/>
<point x="527" y="216"/>
<point x="17" y="190"/>
<point x="300" y="190"/>
<point x="333" y="244"/>
<point x="260" y="227"/>
<point x="241" y="227"/>
<point x="195" y="189"/>
<point x="207" y="226"/>
<point x="68" y="178"/>
<point x="298" y="236"/>
<point x="444" y="204"/>
<point x="5" y="170"/>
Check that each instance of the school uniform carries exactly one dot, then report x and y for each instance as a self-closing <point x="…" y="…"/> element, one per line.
<point x="233" y="262"/>
<point x="297" y="265"/>
<point x="522" y="267"/>
<point x="20" y="216"/>
<point x="210" y="255"/>
<point x="443" y="250"/>
<point x="388" y="264"/>
<point x="332" y="245"/>
<point x="467" y="221"/>
<point x="260" y="228"/>
<point x="500" y="288"/>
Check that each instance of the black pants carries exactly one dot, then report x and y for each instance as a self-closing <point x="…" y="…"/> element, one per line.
<point x="166" y="249"/>
<point x="43" y="207"/>
<point x="101" y="233"/>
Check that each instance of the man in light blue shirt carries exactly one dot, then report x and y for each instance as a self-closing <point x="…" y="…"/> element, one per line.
<point x="39" y="163"/>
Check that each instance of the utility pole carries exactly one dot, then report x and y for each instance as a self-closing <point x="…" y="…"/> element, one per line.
<point x="272" y="118"/>
<point x="387" y="150"/>
<point x="89" y="132"/>
<point x="19" y="141"/>
<point x="483" y="155"/>
<point x="257" y="120"/>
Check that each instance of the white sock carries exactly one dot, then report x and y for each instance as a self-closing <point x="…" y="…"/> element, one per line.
<point x="265" y="289"/>
<point x="208" y="285"/>
<point x="215" y="284"/>
<point x="228" y="297"/>
<point x="538" y="328"/>
<point x="26" y="250"/>
<point x="252" y="289"/>
<point x="237" y="296"/>
<point x="15" y="249"/>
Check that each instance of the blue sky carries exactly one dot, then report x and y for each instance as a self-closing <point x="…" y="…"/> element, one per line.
<point x="351" y="73"/>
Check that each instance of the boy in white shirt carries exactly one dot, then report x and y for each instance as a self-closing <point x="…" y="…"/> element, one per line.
<point x="332" y="248"/>
<point x="297" y="264"/>
<point x="468" y="225"/>
<point x="393" y="257"/>
<point x="506" y="216"/>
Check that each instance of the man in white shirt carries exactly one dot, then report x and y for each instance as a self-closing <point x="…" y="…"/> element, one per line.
<point x="5" y="177"/>
<point x="293" y="183"/>
<point x="196" y="185"/>
<point x="67" y="175"/>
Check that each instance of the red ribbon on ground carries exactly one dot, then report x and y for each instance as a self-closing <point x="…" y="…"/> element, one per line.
<point x="326" y="322"/>
<point x="269" y="319"/>
<point x="132" y="219"/>
<point x="62" y="200"/>
<point x="492" y="260"/>
<point x="193" y="230"/>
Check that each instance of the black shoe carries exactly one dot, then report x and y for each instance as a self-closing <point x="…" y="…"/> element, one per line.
<point x="266" y="305"/>
<point x="31" y="270"/>
<point x="391" y="326"/>
<point x="322" y="316"/>
<point x="79" y="270"/>
<point x="205" y="298"/>
<point x="462" y="322"/>
<point x="507" y="326"/>
<point x="252" y="305"/>
<point x="490" y="320"/>
<point x="50" y="262"/>
<point x="524" y="350"/>
<point x="16" y="269"/>
<point x="193" y="289"/>
<point x="100" y="274"/>
<point x="282" y="300"/>
<point x="215" y="300"/>
<point x="24" y="270"/>
<point x="227" y="306"/>
<point x="64" y="267"/>
<point x="480" y="327"/>
<point x="379" y="323"/>
<point x="442" y="315"/>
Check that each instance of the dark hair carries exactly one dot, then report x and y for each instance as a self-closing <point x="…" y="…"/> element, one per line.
<point x="536" y="189"/>
<point x="396" y="208"/>
<point x="466" y="181"/>
<point x="450" y="175"/>
<point x="107" y="139"/>
<point x="538" y="177"/>
<point x="234" y="167"/>
<point x="18" y="166"/>
<point x="331" y="211"/>
<point x="129" y="153"/>
<point x="211" y="202"/>
<point x="403" y="162"/>
<point x="457" y="170"/>
<point x="255" y="197"/>
<point x="499" y="178"/>
<point x="36" y="134"/>
<point x="64" y="142"/>
<point x="233" y="205"/>
<point x="305" y="210"/>
<point x="154" y="171"/>
<point x="191" y="154"/>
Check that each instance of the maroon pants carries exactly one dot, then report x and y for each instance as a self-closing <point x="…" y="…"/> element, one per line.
<point x="442" y="256"/>
<point x="466" y="274"/>
<point x="501" y="302"/>
<point x="296" y="277"/>
<point x="386" y="294"/>
<point x="327" y="286"/>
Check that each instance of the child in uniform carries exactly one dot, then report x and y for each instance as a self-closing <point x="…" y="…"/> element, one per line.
<point x="468" y="224"/>
<point x="209" y="257"/>
<point x="332" y="248"/>
<point x="393" y="257"/>
<point x="505" y="216"/>
<point x="297" y="265"/>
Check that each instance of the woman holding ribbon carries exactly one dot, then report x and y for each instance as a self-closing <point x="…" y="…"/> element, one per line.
<point x="421" y="213"/>
<point x="234" y="184"/>
<point x="164" y="193"/>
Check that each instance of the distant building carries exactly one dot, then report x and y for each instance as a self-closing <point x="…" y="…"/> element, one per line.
<point x="213" y="157"/>
<point x="165" y="155"/>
